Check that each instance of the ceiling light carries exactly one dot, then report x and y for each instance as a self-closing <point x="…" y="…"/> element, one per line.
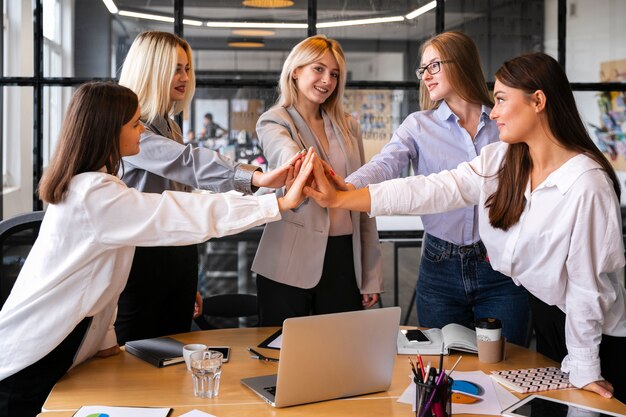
<point x="253" y="32"/>
<point x="422" y="10"/>
<point x="359" y="22"/>
<point x="246" y="43"/>
<point x="111" y="6"/>
<point x="147" y="16"/>
<point x="192" y="22"/>
<point x="268" y="4"/>
<point x="258" y="25"/>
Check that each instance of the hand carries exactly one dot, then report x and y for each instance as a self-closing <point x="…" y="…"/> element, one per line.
<point x="197" y="305"/>
<point x="276" y="178"/>
<point x="369" y="300"/>
<point x="105" y="353"/>
<point x="294" y="197"/>
<point x="292" y="173"/>
<point x="602" y="388"/>
<point x="323" y="192"/>
<point x="336" y="179"/>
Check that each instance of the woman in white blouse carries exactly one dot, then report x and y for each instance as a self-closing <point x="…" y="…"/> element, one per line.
<point x="549" y="213"/>
<point x="62" y="308"/>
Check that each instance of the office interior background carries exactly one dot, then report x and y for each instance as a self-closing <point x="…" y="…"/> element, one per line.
<point x="51" y="46"/>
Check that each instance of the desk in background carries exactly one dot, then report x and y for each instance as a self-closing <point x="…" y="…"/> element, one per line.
<point x="124" y="380"/>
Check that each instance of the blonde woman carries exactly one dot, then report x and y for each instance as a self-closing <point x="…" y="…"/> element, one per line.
<point x="159" y="298"/>
<point x="456" y="281"/>
<point x="315" y="260"/>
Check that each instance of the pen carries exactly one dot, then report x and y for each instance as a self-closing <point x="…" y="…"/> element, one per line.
<point x="441" y="358"/>
<point x="260" y="356"/>
<point x="419" y="360"/>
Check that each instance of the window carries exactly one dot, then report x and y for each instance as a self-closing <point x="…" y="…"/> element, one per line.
<point x="239" y="51"/>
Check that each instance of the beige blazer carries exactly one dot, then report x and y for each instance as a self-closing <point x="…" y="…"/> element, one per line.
<point x="292" y="250"/>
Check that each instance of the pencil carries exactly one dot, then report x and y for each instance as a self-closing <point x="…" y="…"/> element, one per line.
<point x="455" y="364"/>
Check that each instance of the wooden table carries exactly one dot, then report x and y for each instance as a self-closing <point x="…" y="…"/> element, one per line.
<point x="125" y="380"/>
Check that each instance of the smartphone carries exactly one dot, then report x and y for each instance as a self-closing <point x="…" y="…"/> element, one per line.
<point x="416" y="336"/>
<point x="225" y="351"/>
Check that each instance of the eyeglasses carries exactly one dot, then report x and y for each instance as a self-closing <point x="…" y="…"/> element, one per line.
<point x="432" y="68"/>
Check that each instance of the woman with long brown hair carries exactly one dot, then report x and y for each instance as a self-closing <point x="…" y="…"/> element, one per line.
<point x="61" y="309"/>
<point x="549" y="213"/>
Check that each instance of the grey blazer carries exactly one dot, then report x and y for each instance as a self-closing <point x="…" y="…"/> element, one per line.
<point x="292" y="250"/>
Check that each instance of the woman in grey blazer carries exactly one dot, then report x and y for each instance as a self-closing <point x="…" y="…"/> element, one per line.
<point x="315" y="260"/>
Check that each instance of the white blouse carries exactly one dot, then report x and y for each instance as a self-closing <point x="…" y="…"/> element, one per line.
<point x="80" y="262"/>
<point x="566" y="249"/>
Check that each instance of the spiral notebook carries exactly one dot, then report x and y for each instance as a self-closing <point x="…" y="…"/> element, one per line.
<point x="533" y="379"/>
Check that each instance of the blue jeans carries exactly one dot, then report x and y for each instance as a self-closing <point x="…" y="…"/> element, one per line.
<point x="457" y="285"/>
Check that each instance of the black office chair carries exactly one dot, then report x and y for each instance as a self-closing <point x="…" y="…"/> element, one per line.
<point x="223" y="311"/>
<point x="17" y="236"/>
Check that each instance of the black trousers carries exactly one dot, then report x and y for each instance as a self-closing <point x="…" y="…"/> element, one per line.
<point x="23" y="393"/>
<point x="159" y="296"/>
<point x="336" y="292"/>
<point x="549" y="324"/>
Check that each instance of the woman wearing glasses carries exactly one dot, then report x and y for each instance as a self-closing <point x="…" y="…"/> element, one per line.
<point x="456" y="282"/>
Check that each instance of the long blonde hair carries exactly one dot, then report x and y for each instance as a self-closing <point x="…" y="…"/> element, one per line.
<point x="148" y="70"/>
<point x="308" y="51"/>
<point x="463" y="69"/>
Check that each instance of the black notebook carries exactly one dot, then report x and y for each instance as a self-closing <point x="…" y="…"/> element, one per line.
<point x="160" y="351"/>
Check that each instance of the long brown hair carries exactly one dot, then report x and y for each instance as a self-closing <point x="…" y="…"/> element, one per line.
<point x="463" y="69"/>
<point x="90" y="136"/>
<point x="529" y="73"/>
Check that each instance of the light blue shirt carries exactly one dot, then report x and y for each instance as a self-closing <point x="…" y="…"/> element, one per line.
<point x="432" y="141"/>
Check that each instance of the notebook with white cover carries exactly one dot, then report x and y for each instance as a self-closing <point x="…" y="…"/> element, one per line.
<point x="453" y="337"/>
<point x="332" y="356"/>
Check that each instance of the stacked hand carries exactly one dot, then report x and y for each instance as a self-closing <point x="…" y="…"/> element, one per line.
<point x="297" y="176"/>
<point x="278" y="177"/>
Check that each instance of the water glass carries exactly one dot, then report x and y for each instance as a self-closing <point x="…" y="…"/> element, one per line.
<point x="206" y="369"/>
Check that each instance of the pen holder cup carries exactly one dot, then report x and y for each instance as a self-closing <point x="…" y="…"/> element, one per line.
<point x="439" y="399"/>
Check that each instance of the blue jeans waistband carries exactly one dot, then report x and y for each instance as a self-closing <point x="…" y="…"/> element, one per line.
<point x="476" y="248"/>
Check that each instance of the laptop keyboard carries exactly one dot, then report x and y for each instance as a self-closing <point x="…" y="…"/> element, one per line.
<point x="271" y="390"/>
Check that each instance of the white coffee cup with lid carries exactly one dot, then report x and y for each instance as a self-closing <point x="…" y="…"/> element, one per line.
<point x="488" y="329"/>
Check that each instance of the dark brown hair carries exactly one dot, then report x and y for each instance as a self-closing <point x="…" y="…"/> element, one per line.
<point x="529" y="73"/>
<point x="462" y="69"/>
<point x="90" y="136"/>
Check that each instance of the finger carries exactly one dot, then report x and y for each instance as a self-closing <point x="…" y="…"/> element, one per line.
<point x="297" y="166"/>
<point x="600" y="389"/>
<point x="305" y="171"/>
<point x="298" y="156"/>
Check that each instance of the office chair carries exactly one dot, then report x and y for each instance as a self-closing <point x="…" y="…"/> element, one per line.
<point x="17" y="236"/>
<point x="224" y="311"/>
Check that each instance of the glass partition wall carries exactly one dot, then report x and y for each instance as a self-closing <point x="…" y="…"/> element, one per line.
<point x="51" y="46"/>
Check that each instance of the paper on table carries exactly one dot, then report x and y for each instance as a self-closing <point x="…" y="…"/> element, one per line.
<point x="276" y="343"/>
<point x="90" y="410"/>
<point x="197" y="413"/>
<point x="495" y="398"/>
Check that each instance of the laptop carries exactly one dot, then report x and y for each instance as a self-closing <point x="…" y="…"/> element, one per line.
<point x="332" y="356"/>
